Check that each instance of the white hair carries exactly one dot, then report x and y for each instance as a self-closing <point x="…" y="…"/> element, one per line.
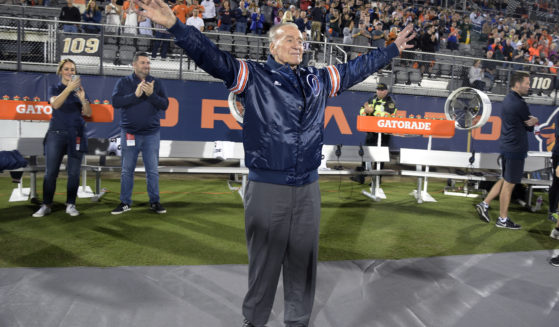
<point x="274" y="31"/>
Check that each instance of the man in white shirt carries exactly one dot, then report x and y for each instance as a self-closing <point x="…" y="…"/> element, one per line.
<point x="195" y="20"/>
<point x="209" y="11"/>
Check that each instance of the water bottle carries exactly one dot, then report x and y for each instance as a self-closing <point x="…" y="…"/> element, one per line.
<point x="538" y="205"/>
<point x="539" y="202"/>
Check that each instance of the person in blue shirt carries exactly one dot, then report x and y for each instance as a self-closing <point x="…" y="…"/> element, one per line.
<point x="283" y="131"/>
<point x="517" y="122"/>
<point x="65" y="136"/>
<point x="92" y="14"/>
<point x="241" y="15"/>
<point x="140" y="98"/>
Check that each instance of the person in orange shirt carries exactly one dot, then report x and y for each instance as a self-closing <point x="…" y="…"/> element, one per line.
<point x="181" y="11"/>
<point x="553" y="69"/>
<point x="531" y="40"/>
<point x="391" y="36"/>
<point x="125" y="7"/>
<point x="195" y="5"/>
<point x="534" y="50"/>
<point x="545" y="36"/>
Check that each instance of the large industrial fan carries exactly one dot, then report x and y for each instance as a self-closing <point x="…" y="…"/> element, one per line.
<point x="468" y="107"/>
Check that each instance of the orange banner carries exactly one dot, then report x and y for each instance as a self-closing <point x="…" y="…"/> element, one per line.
<point x="41" y="110"/>
<point x="405" y="126"/>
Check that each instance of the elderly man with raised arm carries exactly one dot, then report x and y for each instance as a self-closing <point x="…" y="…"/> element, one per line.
<point x="283" y="129"/>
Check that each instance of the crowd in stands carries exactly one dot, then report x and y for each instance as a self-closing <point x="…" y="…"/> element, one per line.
<point x="515" y="38"/>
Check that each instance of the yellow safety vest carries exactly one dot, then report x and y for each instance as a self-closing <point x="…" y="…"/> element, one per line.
<point x="378" y="106"/>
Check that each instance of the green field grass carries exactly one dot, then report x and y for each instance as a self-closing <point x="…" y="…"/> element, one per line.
<point x="205" y="225"/>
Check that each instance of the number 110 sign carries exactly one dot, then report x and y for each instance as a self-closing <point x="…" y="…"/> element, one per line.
<point x="542" y="82"/>
<point x="79" y="46"/>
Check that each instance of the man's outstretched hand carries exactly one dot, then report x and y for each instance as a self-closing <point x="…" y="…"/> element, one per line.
<point x="404" y="37"/>
<point x="158" y="11"/>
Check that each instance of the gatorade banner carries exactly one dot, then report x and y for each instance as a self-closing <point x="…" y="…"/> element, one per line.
<point x="42" y="111"/>
<point x="405" y="126"/>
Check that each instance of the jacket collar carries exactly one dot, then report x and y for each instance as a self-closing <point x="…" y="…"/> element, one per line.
<point x="274" y="65"/>
<point x="136" y="78"/>
<point x="516" y="94"/>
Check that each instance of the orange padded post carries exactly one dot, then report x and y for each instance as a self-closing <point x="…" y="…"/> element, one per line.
<point x="41" y="110"/>
<point x="391" y="125"/>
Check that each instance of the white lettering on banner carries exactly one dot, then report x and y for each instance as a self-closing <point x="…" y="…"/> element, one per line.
<point x="34" y="109"/>
<point x="401" y="124"/>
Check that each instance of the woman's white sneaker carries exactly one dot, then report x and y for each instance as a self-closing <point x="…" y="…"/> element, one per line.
<point x="71" y="210"/>
<point x="43" y="211"/>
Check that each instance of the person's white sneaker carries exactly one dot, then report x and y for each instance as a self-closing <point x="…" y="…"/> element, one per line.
<point x="554" y="234"/>
<point x="71" y="210"/>
<point x="43" y="211"/>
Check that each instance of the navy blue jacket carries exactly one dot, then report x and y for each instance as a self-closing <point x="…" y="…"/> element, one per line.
<point x="139" y="116"/>
<point x="239" y="18"/>
<point x="69" y="115"/>
<point x="514" y="133"/>
<point x="300" y="22"/>
<point x="11" y="160"/>
<point x="284" y="108"/>
<point x="69" y="118"/>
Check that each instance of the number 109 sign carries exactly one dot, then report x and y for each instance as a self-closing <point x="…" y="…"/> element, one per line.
<point x="77" y="45"/>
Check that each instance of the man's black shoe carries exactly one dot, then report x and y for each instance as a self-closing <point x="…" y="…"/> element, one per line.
<point x="358" y="178"/>
<point x="554" y="261"/>
<point x="483" y="212"/>
<point x="122" y="207"/>
<point x="157" y="207"/>
<point x="247" y="323"/>
<point x="507" y="224"/>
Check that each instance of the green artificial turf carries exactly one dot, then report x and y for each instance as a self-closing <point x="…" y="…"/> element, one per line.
<point x="205" y="225"/>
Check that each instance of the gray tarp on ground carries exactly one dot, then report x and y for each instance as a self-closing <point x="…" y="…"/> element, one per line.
<point x="504" y="289"/>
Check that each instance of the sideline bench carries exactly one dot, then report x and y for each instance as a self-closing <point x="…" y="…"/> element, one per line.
<point x="233" y="151"/>
<point x="423" y="159"/>
<point x="27" y="138"/>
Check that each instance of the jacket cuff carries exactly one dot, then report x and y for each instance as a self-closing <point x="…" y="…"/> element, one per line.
<point x="393" y="51"/>
<point x="177" y="28"/>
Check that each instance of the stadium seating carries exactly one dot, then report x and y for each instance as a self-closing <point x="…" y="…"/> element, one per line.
<point x="126" y="54"/>
<point x="445" y="65"/>
<point x="226" y="42"/>
<point x="143" y="44"/>
<point x="110" y="53"/>
<point x="241" y="45"/>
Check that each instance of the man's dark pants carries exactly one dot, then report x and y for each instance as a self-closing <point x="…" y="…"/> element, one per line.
<point x="282" y="224"/>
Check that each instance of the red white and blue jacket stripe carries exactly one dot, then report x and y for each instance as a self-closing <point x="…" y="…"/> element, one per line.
<point x="283" y="124"/>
